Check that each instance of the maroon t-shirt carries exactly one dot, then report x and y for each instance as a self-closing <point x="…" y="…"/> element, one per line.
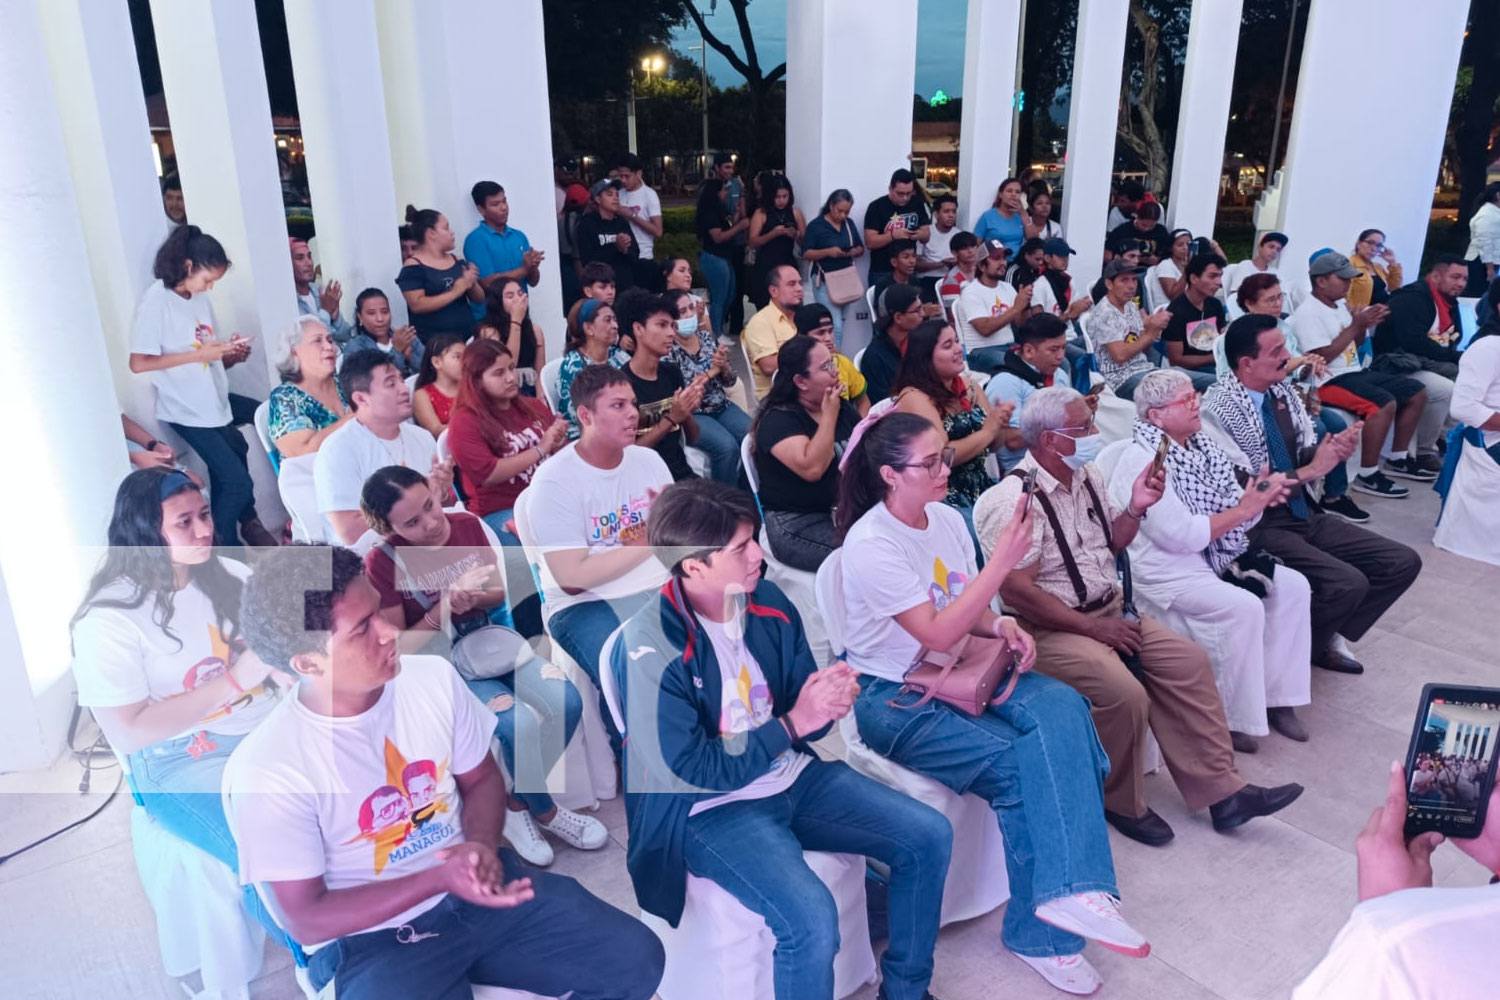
<point x="523" y="423"/>
<point x="431" y="570"/>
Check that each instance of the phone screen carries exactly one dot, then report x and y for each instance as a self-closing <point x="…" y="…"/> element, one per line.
<point x="1450" y="766"/>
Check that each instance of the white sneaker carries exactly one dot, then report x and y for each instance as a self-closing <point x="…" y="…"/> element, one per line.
<point x="1069" y="973"/>
<point x="584" y="832"/>
<point x="521" y="831"/>
<point x="1095" y="915"/>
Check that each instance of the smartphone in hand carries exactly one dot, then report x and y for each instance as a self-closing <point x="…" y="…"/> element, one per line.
<point x="1450" y="764"/>
<point x="1159" y="463"/>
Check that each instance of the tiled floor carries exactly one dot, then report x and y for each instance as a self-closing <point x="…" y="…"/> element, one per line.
<point x="1241" y="916"/>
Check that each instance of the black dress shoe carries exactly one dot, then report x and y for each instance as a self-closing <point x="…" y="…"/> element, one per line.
<point x="1243" y="742"/>
<point x="1250" y="802"/>
<point x="1285" y="722"/>
<point x="1339" y="663"/>
<point x="1149" y="829"/>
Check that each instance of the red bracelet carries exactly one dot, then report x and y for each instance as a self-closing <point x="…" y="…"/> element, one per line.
<point x="229" y="676"/>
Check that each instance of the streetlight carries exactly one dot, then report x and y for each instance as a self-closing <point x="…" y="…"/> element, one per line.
<point x="702" y="49"/>
<point x="649" y="64"/>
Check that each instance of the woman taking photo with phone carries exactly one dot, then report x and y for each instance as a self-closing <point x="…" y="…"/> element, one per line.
<point x="910" y="583"/>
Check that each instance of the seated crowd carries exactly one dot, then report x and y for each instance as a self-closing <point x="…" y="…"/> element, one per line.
<point x="1178" y="584"/>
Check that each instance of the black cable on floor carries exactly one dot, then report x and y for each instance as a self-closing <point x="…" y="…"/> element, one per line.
<point x="87" y="756"/>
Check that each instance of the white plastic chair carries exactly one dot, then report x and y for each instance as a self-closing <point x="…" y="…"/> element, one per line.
<point x="300" y="497"/>
<point x="960" y="322"/>
<point x="263" y="425"/>
<point x="720" y="950"/>
<point x="1115" y="417"/>
<point x="1150" y="288"/>
<point x="551" y="384"/>
<point x="590" y="772"/>
<point x="859" y="356"/>
<point x="443" y="453"/>
<point x="796" y="584"/>
<point x="870" y="303"/>
<point x="411" y="383"/>
<point x="977" y="881"/>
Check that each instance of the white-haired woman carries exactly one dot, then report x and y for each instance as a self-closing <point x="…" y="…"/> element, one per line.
<point x="307" y="406"/>
<point x="1193" y="560"/>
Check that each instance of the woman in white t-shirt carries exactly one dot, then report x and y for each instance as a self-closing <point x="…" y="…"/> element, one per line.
<point x="909" y="583"/>
<point x="158" y="658"/>
<point x="175" y="339"/>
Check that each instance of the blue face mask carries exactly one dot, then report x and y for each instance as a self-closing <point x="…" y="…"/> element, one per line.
<point x="1085" y="450"/>
<point x="687" y="326"/>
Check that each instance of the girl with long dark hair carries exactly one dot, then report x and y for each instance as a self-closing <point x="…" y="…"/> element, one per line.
<point x="536" y="708"/>
<point x="497" y="436"/>
<point x="910" y="582"/>
<point x="776" y="230"/>
<point x="832" y="243"/>
<point x="158" y="658"/>
<point x="507" y="320"/>
<point x="716" y="233"/>
<point x="177" y="340"/>
<point x="372" y="331"/>
<point x="799" y="432"/>
<point x="931" y="383"/>
<point x="436" y="388"/>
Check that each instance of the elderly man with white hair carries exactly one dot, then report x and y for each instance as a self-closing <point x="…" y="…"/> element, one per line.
<point x="1192" y="558"/>
<point x="307" y="406"/>
<point x="1136" y="673"/>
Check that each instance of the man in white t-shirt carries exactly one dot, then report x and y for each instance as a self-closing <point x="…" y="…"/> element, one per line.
<point x="640" y="204"/>
<point x="935" y="254"/>
<point x="1266" y="260"/>
<point x="1385" y="402"/>
<point x="722" y="701"/>
<point x="368" y="811"/>
<point x="585" y="513"/>
<point x="990" y="305"/>
<point x="380" y="434"/>
<point x="1407" y="940"/>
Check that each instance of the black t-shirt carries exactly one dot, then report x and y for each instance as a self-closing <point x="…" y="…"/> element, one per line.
<point x="1195" y="329"/>
<point x="455" y="317"/>
<point x="653" y="400"/>
<point x="596" y="241"/>
<point x="879" y="365"/>
<point x="1156" y="240"/>
<point x="883" y="214"/>
<point x="780" y="487"/>
<point x="711" y="214"/>
<point x="926" y="290"/>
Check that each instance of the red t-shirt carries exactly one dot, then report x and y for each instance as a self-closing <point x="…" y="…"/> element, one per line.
<point x="523" y="423"/>
<point x="430" y="570"/>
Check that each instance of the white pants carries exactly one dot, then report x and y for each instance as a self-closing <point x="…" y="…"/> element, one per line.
<point x="1261" y="651"/>
<point x="1469" y="519"/>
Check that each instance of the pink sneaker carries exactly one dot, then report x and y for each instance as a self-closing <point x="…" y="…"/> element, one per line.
<point x="1096" y="916"/>
<point x="1069" y="973"/>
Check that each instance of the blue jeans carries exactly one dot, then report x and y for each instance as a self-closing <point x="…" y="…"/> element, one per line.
<point x="224" y="450"/>
<point x="1336" y="482"/>
<point x="1037" y="760"/>
<point x="840" y="313"/>
<point x="540" y="722"/>
<point x="1126" y="389"/>
<point x="1203" y="378"/>
<point x="718" y="272"/>
<point x="753" y="850"/>
<point x="987" y="359"/>
<point x="720" y="434"/>
<point x="581" y="630"/>
<point x="181" y="790"/>
<point x="563" y="939"/>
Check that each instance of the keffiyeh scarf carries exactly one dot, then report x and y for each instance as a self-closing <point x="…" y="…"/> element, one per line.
<point x="1202" y="477"/>
<point x="1233" y="409"/>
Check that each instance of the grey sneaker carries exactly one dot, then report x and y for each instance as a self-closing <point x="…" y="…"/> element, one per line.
<point x="1377" y="484"/>
<point x="1408" y="468"/>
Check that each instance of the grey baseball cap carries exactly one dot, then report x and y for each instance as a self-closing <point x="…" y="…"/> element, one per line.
<point x="1333" y="263"/>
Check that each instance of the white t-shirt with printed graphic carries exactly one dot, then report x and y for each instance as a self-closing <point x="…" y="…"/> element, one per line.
<point x="746" y="705"/>
<point x="891" y="567"/>
<point x="981" y="302"/>
<point x="122" y="657"/>
<point x="363" y="798"/>
<point x="1317" y="325"/>
<point x="574" y="505"/>
<point x="193" y="395"/>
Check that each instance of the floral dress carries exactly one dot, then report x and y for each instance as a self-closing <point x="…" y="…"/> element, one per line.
<point x="967" y="481"/>
<point x="295" y="409"/>
<point x="572" y="363"/>
<point x="715" y="400"/>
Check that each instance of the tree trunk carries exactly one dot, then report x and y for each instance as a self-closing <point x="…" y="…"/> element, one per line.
<point x="1474" y="134"/>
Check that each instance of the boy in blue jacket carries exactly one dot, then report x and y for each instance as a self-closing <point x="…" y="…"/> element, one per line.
<point x="721" y="700"/>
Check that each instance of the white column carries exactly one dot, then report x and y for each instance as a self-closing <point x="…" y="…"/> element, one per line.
<point x="1098" y="63"/>
<point x="336" y="62"/>
<point x="97" y="81"/>
<point x="1203" y="119"/>
<point x="991" y="44"/>
<point x="484" y="116"/>
<point x="60" y="403"/>
<point x="1364" y="151"/>
<point x="1450" y="739"/>
<point x="215" y="82"/>
<point x="851" y="70"/>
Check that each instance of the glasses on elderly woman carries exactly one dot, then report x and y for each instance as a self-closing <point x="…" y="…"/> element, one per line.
<point x="1191" y="400"/>
<point x="943" y="459"/>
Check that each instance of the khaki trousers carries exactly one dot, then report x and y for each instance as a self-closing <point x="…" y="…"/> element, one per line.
<point x="1179" y="701"/>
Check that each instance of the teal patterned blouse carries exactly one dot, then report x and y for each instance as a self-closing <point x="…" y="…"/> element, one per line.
<point x="294" y="409"/>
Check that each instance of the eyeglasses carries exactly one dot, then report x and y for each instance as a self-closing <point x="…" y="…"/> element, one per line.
<point x="1078" y="432"/>
<point x="830" y="366"/>
<point x="1191" y="401"/>
<point x="943" y="459"/>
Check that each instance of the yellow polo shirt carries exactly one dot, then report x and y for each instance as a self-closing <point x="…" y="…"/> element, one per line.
<point x="763" y="337"/>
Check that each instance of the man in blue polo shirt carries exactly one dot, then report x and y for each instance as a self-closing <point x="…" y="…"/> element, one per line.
<point x="1040" y="348"/>
<point x="497" y="249"/>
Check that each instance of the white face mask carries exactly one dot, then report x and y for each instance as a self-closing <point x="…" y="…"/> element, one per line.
<point x="687" y="325"/>
<point x="1085" y="450"/>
